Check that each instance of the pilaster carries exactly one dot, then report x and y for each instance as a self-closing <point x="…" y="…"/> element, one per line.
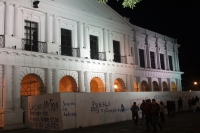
<point x="9" y="17"/>
<point x="49" y="83"/>
<point x="87" y="82"/>
<point x="81" y="81"/>
<point x="107" y="82"/>
<point x="56" y="80"/>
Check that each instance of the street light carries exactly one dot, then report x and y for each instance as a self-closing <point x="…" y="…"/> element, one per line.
<point x="195" y="83"/>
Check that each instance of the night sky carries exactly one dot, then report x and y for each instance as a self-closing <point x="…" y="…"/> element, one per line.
<point x="179" y="19"/>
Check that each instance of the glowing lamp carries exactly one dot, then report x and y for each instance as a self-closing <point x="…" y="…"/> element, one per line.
<point x="195" y="83"/>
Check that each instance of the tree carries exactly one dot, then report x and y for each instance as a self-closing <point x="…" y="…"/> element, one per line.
<point x="126" y="3"/>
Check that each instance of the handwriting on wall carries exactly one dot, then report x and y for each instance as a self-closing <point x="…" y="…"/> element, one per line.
<point x="66" y="108"/>
<point x="43" y="115"/>
<point x="106" y="107"/>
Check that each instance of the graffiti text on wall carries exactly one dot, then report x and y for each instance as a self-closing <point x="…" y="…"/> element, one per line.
<point x="106" y="107"/>
<point x="66" y="109"/>
<point x="40" y="115"/>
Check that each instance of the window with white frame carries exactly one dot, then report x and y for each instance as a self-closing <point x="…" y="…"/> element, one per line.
<point x="66" y="42"/>
<point x="142" y="58"/>
<point x="162" y="61"/>
<point x="152" y="56"/>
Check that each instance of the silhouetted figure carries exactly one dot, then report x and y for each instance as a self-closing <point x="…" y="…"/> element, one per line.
<point x="147" y="112"/>
<point x="135" y="110"/>
<point x="189" y="104"/>
<point x="142" y="108"/>
<point x="173" y="108"/>
<point x="162" y="112"/>
<point x="193" y="103"/>
<point x="169" y="109"/>
<point x="155" y="110"/>
<point x="180" y="105"/>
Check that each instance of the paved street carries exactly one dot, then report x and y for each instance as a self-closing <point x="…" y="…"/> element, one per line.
<point x="185" y="122"/>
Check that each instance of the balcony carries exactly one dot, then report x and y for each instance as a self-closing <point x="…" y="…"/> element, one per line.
<point x="1" y="41"/>
<point x="69" y="51"/>
<point x="35" y="46"/>
<point x="119" y="59"/>
<point x="98" y="55"/>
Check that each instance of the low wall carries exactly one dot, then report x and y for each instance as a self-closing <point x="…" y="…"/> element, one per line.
<point x="60" y="111"/>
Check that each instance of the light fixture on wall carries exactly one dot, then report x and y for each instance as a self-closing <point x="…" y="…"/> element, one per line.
<point x="35" y="3"/>
<point x="115" y="86"/>
<point x="14" y="47"/>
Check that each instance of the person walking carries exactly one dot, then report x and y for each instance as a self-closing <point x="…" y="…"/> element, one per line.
<point x="162" y="112"/>
<point x="155" y="115"/>
<point x="147" y="113"/>
<point x="142" y="109"/>
<point x="135" y="110"/>
<point x="180" y="105"/>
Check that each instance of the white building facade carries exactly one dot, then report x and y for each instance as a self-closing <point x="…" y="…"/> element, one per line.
<point x="77" y="46"/>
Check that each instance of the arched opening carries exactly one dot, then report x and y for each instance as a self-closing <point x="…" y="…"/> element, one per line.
<point x="32" y="85"/>
<point x="174" y="88"/>
<point x="144" y="86"/>
<point x="155" y="86"/>
<point x="96" y="85"/>
<point x="119" y="85"/>
<point x="68" y="84"/>
<point x="135" y="87"/>
<point x="165" y="87"/>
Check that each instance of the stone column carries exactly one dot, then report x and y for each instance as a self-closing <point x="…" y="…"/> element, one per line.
<point x="16" y="88"/>
<point x="128" y="88"/>
<point x="49" y="83"/>
<point x="105" y="39"/>
<point x="112" y="89"/>
<point x="177" y="59"/>
<point x="107" y="82"/>
<point x="158" y="58"/>
<point x="81" y="81"/>
<point x="160" y="84"/>
<point x="9" y="23"/>
<point x="49" y="28"/>
<point x="80" y="35"/>
<point x="110" y="42"/>
<point x="169" y="84"/>
<point x="17" y="21"/>
<point x="167" y="58"/>
<point x="7" y="88"/>
<point x="137" y="57"/>
<point x="2" y="14"/>
<point x="56" y="81"/>
<point x="150" y="84"/>
<point x="56" y="30"/>
<point x="86" y="36"/>
<point x="87" y="82"/>
<point x="131" y="84"/>
<point x="148" y="56"/>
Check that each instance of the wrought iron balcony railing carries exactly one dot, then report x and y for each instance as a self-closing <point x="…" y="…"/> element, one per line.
<point x="119" y="59"/>
<point x="1" y="41"/>
<point x="98" y="55"/>
<point x="32" y="45"/>
<point x="69" y="51"/>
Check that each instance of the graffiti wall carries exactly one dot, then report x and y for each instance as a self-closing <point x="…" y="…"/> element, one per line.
<point x="69" y="110"/>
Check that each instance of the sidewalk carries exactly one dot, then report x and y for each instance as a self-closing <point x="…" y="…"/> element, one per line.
<point x="184" y="122"/>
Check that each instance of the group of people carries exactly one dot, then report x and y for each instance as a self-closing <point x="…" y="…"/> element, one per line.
<point x="193" y="103"/>
<point x="151" y="111"/>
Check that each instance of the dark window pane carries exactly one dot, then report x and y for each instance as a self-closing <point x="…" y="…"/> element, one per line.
<point x="142" y="59"/>
<point x="152" y="60"/>
<point x="94" y="47"/>
<point x="66" y="42"/>
<point x="170" y="62"/>
<point x="162" y="62"/>
<point x="116" y="50"/>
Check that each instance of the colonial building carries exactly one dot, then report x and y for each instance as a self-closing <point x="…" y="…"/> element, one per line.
<point x="77" y="46"/>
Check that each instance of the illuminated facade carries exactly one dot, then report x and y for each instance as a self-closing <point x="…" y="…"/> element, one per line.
<point x="77" y="46"/>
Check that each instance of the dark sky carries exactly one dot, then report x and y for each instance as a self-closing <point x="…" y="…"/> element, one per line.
<point x="179" y="19"/>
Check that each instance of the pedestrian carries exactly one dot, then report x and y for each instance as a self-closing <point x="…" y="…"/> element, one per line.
<point x="169" y="108"/>
<point x="162" y="112"/>
<point x="173" y="108"/>
<point x="135" y="110"/>
<point x="147" y="113"/>
<point x="142" y="108"/>
<point x="155" y="115"/>
<point x="189" y="104"/>
<point x="193" y="103"/>
<point x="180" y="105"/>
